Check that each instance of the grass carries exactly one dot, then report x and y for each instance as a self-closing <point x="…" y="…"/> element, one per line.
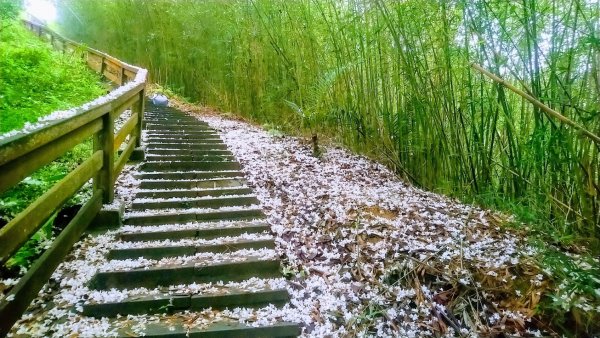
<point x="392" y="80"/>
<point x="35" y="81"/>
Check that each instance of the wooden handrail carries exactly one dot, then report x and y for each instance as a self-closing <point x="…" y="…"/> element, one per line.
<point x="27" y="150"/>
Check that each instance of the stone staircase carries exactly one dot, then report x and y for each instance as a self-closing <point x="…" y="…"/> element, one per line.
<point x="193" y="221"/>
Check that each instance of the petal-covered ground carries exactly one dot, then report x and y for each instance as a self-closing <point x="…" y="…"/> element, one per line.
<point x="368" y="254"/>
<point x="365" y="254"/>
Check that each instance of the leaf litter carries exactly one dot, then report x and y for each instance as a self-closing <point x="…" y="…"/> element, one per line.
<point x="365" y="254"/>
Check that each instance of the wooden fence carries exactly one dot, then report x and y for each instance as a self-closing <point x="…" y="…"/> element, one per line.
<point x="22" y="154"/>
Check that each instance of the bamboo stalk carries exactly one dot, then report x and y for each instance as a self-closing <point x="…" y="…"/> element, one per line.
<point x="549" y="111"/>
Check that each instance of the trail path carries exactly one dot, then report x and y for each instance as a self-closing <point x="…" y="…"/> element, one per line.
<point x="207" y="241"/>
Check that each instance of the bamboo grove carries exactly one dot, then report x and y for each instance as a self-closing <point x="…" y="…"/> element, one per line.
<point x="392" y="79"/>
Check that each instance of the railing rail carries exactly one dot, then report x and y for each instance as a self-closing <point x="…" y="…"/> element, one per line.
<point x="24" y="153"/>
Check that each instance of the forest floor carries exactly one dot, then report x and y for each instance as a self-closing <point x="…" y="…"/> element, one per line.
<point x="364" y="253"/>
<point x="368" y="254"/>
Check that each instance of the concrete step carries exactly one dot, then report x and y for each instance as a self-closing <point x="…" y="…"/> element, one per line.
<point x="183" y="146"/>
<point x="170" y="119"/>
<point x="160" y="113"/>
<point x="192" y="184"/>
<point x="176" y="133"/>
<point x="194" y="158"/>
<point x="187" y="175"/>
<point x="154" y="127"/>
<point x="156" y="123"/>
<point x="160" y="252"/>
<point x="208" y="138"/>
<point x="171" y="133"/>
<point x="188" y="152"/>
<point x="179" y="123"/>
<point x="217" y="202"/>
<point x="170" y="114"/>
<point x="193" y="302"/>
<point x="186" y="217"/>
<point x="190" y="165"/>
<point x="177" y="327"/>
<point x="185" y="193"/>
<point x="197" y="233"/>
<point x="152" y="277"/>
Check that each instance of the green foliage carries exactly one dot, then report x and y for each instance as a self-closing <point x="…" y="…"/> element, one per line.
<point x="35" y="80"/>
<point x="577" y="292"/>
<point x="9" y="9"/>
<point x="20" y="196"/>
<point x="392" y="79"/>
<point x="33" y="248"/>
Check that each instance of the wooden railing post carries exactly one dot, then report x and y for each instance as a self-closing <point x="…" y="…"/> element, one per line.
<point x="26" y="153"/>
<point x="103" y="66"/>
<point x="123" y="77"/>
<point x="104" y="141"/>
<point x="138" y="108"/>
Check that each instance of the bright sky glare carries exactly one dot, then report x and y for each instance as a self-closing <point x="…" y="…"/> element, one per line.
<point x="41" y="9"/>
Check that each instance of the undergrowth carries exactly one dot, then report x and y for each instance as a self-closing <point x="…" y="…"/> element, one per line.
<point x="559" y="289"/>
<point x="35" y="81"/>
<point x="392" y="80"/>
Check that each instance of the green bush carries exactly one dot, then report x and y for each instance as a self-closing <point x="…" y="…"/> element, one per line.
<point x="9" y="9"/>
<point x="35" y="81"/>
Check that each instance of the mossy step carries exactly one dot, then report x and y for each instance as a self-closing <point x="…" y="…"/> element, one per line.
<point x="229" y="329"/>
<point x="188" y="250"/>
<point x="171" y="303"/>
<point x="194" y="152"/>
<point x="191" y="184"/>
<point x="182" y="217"/>
<point x="182" y="146"/>
<point x="199" y="233"/>
<point x="184" y="193"/>
<point x="187" y="175"/>
<point x="218" y="202"/>
<point x="187" y="165"/>
<point x="153" y="277"/>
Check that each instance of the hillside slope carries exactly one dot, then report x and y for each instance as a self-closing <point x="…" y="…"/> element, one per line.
<point x="35" y="80"/>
